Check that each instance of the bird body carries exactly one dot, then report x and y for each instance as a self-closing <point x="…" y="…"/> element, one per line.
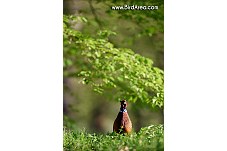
<point x="122" y="123"/>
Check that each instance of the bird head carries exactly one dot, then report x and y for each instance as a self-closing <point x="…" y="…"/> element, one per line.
<point x="123" y="104"/>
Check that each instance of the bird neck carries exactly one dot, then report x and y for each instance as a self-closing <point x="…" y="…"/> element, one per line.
<point x="123" y="110"/>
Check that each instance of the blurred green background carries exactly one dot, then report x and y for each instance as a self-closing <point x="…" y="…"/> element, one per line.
<point x="140" y="30"/>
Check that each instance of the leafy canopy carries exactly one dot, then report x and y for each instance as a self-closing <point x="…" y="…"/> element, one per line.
<point x="117" y="71"/>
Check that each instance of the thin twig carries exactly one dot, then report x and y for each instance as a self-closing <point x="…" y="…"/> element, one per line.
<point x="94" y="14"/>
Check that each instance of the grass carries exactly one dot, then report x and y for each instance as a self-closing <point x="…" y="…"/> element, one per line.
<point x="149" y="138"/>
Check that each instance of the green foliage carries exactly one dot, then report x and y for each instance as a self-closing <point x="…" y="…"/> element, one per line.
<point x="148" y="21"/>
<point x="148" y="138"/>
<point x="110" y="69"/>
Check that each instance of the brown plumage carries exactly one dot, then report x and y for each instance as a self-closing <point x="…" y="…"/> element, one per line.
<point x="122" y="123"/>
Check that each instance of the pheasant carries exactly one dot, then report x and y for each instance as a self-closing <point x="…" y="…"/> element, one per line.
<point x="122" y="123"/>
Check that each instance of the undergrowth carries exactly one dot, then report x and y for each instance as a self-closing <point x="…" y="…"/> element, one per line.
<point x="149" y="138"/>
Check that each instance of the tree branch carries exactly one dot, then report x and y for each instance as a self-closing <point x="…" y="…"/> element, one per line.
<point x="94" y="14"/>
